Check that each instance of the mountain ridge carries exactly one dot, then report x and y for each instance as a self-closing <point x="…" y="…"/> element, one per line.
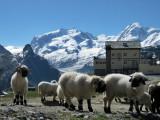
<point x="71" y="49"/>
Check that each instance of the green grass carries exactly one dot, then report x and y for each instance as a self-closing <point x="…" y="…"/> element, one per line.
<point x="30" y="94"/>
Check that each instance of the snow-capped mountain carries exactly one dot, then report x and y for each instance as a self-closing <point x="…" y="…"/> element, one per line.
<point x="148" y="36"/>
<point x="40" y="68"/>
<point x="67" y="49"/>
<point x="71" y="49"/>
<point x="14" y="50"/>
<point x="8" y="64"/>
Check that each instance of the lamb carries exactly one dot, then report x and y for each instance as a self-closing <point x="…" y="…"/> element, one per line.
<point x="120" y="85"/>
<point x="145" y="99"/>
<point x="47" y="89"/>
<point x="81" y="86"/>
<point x="60" y="95"/>
<point x="19" y="84"/>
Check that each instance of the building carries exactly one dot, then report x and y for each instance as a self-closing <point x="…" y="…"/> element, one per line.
<point x="126" y="57"/>
<point x="121" y="57"/>
<point x="99" y="66"/>
<point x="149" y="66"/>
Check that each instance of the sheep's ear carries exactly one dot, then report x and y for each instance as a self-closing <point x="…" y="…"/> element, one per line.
<point x="144" y="82"/>
<point x="130" y="80"/>
<point x="94" y="81"/>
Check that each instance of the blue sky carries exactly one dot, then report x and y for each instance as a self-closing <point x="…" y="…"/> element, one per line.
<point x="21" y="20"/>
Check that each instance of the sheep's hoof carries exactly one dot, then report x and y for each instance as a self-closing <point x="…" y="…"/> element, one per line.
<point x="80" y="108"/>
<point x="107" y="110"/>
<point x="90" y="109"/>
<point x="17" y="102"/>
<point x="72" y="107"/>
<point x="21" y="102"/>
<point x="42" y="100"/>
<point x="130" y="109"/>
<point x="25" y="102"/>
<point x="66" y="105"/>
<point x="14" y="101"/>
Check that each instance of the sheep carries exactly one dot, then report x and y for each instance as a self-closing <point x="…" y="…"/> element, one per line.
<point x="145" y="99"/>
<point x="120" y="85"/>
<point x="19" y="84"/>
<point x="150" y="87"/>
<point x="60" y="95"/>
<point x="155" y="97"/>
<point x="47" y="89"/>
<point x="81" y="86"/>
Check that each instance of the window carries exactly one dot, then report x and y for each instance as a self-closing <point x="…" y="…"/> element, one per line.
<point x="125" y="61"/>
<point x="124" y="54"/>
<point x="119" y="55"/>
<point x="135" y="54"/>
<point x="125" y="45"/>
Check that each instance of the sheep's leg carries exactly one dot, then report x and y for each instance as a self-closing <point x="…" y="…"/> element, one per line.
<point x="105" y="99"/>
<point x="61" y="102"/>
<point x="116" y="99"/>
<point x="157" y="107"/>
<point x="153" y="107"/>
<point x="89" y="105"/>
<point x="14" y="100"/>
<point x="42" y="99"/>
<point x="136" y="106"/>
<point x="70" y="104"/>
<point x="119" y="99"/>
<point x="17" y="99"/>
<point x="146" y="108"/>
<point x="80" y="104"/>
<point x="54" y="98"/>
<point x="25" y="101"/>
<point x="141" y="107"/>
<point x="131" y="106"/>
<point x="21" y="99"/>
<point x="109" y="105"/>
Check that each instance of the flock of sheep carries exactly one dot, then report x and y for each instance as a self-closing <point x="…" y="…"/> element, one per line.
<point x="83" y="86"/>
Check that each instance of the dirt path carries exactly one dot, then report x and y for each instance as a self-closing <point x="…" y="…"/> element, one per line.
<point x="52" y="111"/>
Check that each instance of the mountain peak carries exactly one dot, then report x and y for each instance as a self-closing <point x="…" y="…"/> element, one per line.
<point x="27" y="50"/>
<point x="135" y="24"/>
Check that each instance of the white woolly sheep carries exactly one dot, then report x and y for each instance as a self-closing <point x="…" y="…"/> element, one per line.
<point x="145" y="99"/>
<point x="81" y="86"/>
<point x="47" y="89"/>
<point x="120" y="85"/>
<point x="60" y="95"/>
<point x="19" y="84"/>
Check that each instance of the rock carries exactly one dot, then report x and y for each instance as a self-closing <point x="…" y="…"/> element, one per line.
<point x="41" y="118"/>
<point x="79" y="115"/>
<point x="86" y="117"/>
<point x="3" y="104"/>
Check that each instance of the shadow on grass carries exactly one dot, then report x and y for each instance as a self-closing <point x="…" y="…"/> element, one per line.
<point x="146" y="116"/>
<point x="51" y="103"/>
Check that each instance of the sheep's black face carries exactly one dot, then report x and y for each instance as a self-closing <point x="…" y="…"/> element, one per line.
<point x="101" y="86"/>
<point x="98" y="84"/>
<point x="137" y="79"/>
<point x="24" y="72"/>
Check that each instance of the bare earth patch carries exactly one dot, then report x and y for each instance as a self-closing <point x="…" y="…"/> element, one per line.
<point x="35" y="110"/>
